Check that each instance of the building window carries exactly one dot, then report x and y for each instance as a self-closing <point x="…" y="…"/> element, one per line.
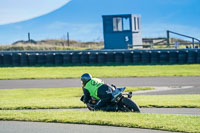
<point x="121" y="23"/>
<point x="126" y="23"/>
<point x="135" y="23"/>
<point x="138" y="23"/>
<point x="117" y="24"/>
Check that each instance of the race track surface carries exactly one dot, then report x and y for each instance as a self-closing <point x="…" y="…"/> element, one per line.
<point x="163" y="85"/>
<point x="129" y="81"/>
<point x="180" y="85"/>
<point x="38" y="127"/>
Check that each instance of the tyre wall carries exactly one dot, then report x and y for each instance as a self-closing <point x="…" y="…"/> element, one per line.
<point x="101" y="57"/>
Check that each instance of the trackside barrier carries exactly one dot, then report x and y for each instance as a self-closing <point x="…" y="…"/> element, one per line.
<point x="84" y="58"/>
<point x="50" y="57"/>
<point x="32" y="59"/>
<point x="101" y="59"/>
<point x="198" y="57"/>
<point x="16" y="59"/>
<point x="182" y="56"/>
<point x="173" y="57"/>
<point x="137" y="57"/>
<point x="164" y="57"/>
<point x="76" y="58"/>
<point x="67" y="58"/>
<point x="128" y="57"/>
<point x="57" y="58"/>
<point x="191" y="57"/>
<point x="146" y="57"/>
<point x="155" y="57"/>
<point x="24" y="59"/>
<point x="1" y="59"/>
<point x="119" y="58"/>
<point x="93" y="58"/>
<point x="41" y="59"/>
<point x="7" y="59"/>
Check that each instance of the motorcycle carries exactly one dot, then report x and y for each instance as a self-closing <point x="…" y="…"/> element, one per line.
<point x="125" y="104"/>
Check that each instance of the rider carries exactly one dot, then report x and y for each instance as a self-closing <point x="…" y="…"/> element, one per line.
<point x="94" y="87"/>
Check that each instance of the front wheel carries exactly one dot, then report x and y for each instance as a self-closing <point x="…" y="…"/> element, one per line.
<point x="129" y="105"/>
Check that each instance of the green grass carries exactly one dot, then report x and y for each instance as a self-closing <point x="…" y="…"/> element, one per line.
<point x="180" y="123"/>
<point x="45" y="98"/>
<point x="40" y="98"/>
<point x="99" y="71"/>
<point x="70" y="98"/>
<point x="44" y="47"/>
<point x="132" y="89"/>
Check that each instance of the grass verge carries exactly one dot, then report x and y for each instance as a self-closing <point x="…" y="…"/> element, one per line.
<point x="70" y="98"/>
<point x="180" y="123"/>
<point x="99" y="71"/>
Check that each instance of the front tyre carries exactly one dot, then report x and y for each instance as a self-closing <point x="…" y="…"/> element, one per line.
<point x="131" y="105"/>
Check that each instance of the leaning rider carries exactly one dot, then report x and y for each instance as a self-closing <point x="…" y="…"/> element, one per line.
<point x="94" y="87"/>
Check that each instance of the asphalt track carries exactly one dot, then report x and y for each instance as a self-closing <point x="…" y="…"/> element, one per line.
<point x="39" y="127"/>
<point x="180" y="85"/>
<point x="127" y="81"/>
<point x="164" y="85"/>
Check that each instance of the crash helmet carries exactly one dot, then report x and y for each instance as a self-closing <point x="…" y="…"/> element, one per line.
<point x="85" y="78"/>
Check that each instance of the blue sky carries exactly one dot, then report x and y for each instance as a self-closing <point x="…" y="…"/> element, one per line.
<point x="83" y="18"/>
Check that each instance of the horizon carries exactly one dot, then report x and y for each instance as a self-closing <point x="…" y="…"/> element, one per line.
<point x="83" y="19"/>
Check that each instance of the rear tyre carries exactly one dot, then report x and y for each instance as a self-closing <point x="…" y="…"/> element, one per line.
<point x="130" y="105"/>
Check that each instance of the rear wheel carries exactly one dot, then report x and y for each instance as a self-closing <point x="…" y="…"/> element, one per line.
<point x="129" y="105"/>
